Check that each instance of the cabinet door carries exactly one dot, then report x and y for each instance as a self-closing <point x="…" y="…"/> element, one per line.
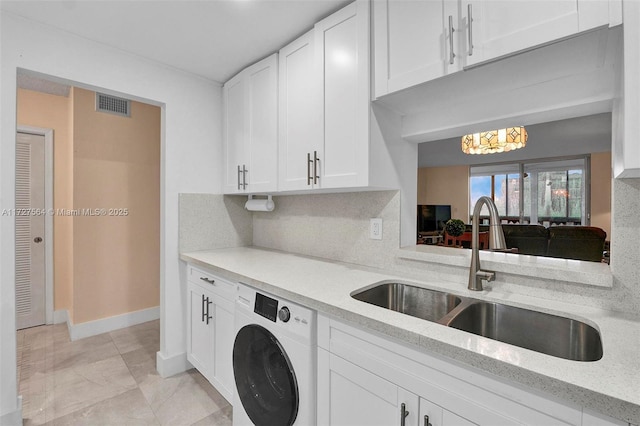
<point x="626" y="146"/>
<point x="503" y="27"/>
<point x="342" y="46"/>
<point x="200" y="330"/>
<point x="450" y="419"/>
<point x="430" y="414"/>
<point x="358" y="397"/>
<point x="592" y="418"/>
<point x="300" y="115"/>
<point x="224" y="338"/>
<point x="234" y="133"/>
<point x="261" y="133"/>
<point x="411" y="42"/>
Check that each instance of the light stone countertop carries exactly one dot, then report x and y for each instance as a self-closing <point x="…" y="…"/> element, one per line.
<point x="610" y="386"/>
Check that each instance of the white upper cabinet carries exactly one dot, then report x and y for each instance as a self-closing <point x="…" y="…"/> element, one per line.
<point x="421" y="40"/>
<point x="626" y="146"/>
<point x="251" y="129"/>
<point x="234" y="132"/>
<point x="342" y="61"/>
<point x="414" y="42"/>
<point x="503" y="27"/>
<point x="300" y="120"/>
<point x="324" y="104"/>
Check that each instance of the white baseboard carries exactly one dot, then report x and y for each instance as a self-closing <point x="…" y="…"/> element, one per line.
<point x="93" y="328"/>
<point x="60" y="316"/>
<point x="169" y="366"/>
<point x="13" y="418"/>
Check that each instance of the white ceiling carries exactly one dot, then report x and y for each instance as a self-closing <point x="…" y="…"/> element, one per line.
<point x="211" y="38"/>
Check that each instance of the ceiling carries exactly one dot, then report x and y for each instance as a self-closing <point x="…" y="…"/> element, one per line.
<point x="211" y="38"/>
<point x="574" y="136"/>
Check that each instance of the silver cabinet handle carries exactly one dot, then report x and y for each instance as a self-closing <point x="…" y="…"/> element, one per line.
<point x="209" y="280"/>
<point x="209" y="302"/>
<point x="239" y="171"/>
<point x="470" y="20"/>
<point x="426" y="421"/>
<point x="451" y="30"/>
<point x="244" y="177"/>
<point x="309" y="177"/>
<point x="316" y="160"/>
<point x="403" y="414"/>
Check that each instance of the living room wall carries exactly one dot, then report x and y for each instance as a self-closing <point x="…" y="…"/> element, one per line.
<point x="450" y="185"/>
<point x="445" y="185"/>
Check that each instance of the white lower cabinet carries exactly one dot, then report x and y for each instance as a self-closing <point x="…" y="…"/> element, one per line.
<point x="359" y="397"/>
<point x="224" y="337"/>
<point x="210" y="325"/>
<point x="201" y="329"/>
<point x="369" y="379"/>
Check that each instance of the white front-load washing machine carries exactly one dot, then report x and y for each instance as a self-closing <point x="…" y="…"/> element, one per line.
<point x="274" y="359"/>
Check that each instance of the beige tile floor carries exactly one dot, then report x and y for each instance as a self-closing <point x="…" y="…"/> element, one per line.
<point x="109" y="379"/>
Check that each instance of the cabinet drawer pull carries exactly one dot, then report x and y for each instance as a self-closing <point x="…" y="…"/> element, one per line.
<point x="309" y="161"/>
<point x="470" y="20"/>
<point x="209" y="280"/>
<point x="239" y="171"/>
<point x="426" y="421"/>
<point x="451" y="30"/>
<point x="403" y="413"/>
<point x="316" y="160"/>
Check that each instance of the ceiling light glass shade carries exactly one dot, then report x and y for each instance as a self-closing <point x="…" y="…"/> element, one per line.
<point x="494" y="141"/>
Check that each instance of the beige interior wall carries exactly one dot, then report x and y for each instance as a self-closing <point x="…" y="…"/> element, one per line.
<point x="601" y="191"/>
<point x="54" y="112"/>
<point x="116" y="166"/>
<point x="449" y="185"/>
<point x="445" y="185"/>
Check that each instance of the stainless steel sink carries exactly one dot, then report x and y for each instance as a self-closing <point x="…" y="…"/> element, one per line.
<point x="430" y="305"/>
<point x="549" y="334"/>
<point x="541" y="332"/>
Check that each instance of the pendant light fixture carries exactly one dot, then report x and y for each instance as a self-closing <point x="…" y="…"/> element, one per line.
<point x="495" y="141"/>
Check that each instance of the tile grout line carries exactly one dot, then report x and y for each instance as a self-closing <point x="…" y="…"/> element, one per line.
<point x="136" y="382"/>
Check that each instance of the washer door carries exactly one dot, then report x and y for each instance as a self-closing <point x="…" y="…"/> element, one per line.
<point x="265" y="380"/>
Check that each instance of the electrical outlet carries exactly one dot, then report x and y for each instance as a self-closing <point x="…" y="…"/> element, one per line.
<point x="375" y="229"/>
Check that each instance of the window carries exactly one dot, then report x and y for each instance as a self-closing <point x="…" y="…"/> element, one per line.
<point x="551" y="192"/>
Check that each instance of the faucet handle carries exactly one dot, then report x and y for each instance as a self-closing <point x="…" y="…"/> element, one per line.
<point x="486" y="275"/>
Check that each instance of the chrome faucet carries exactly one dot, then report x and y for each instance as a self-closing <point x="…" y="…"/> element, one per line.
<point x="496" y="242"/>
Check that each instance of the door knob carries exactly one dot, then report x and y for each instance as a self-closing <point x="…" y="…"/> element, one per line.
<point x="37" y="240"/>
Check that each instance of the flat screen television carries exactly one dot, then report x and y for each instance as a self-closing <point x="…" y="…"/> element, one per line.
<point x="432" y="217"/>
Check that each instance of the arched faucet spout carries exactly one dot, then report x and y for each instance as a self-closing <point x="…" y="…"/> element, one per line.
<point x="496" y="242"/>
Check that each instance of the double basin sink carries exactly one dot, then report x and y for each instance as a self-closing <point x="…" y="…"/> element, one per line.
<point x="538" y="331"/>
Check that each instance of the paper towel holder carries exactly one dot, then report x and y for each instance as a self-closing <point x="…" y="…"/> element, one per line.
<point x="259" y="204"/>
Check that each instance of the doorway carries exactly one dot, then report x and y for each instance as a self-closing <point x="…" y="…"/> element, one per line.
<point x="34" y="236"/>
<point x="106" y="216"/>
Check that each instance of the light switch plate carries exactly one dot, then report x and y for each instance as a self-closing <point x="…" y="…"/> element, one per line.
<point x="375" y="229"/>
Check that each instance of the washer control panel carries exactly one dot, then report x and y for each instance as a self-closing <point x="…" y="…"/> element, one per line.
<point x="289" y="316"/>
<point x="266" y="306"/>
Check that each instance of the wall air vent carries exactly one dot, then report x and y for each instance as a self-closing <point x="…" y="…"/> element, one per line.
<point x="113" y="105"/>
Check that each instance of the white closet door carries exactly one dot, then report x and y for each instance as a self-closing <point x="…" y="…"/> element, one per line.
<point x="30" y="218"/>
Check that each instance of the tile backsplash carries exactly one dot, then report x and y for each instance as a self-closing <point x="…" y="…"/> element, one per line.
<point x="336" y="227"/>
<point x="332" y="226"/>
<point x="209" y="221"/>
